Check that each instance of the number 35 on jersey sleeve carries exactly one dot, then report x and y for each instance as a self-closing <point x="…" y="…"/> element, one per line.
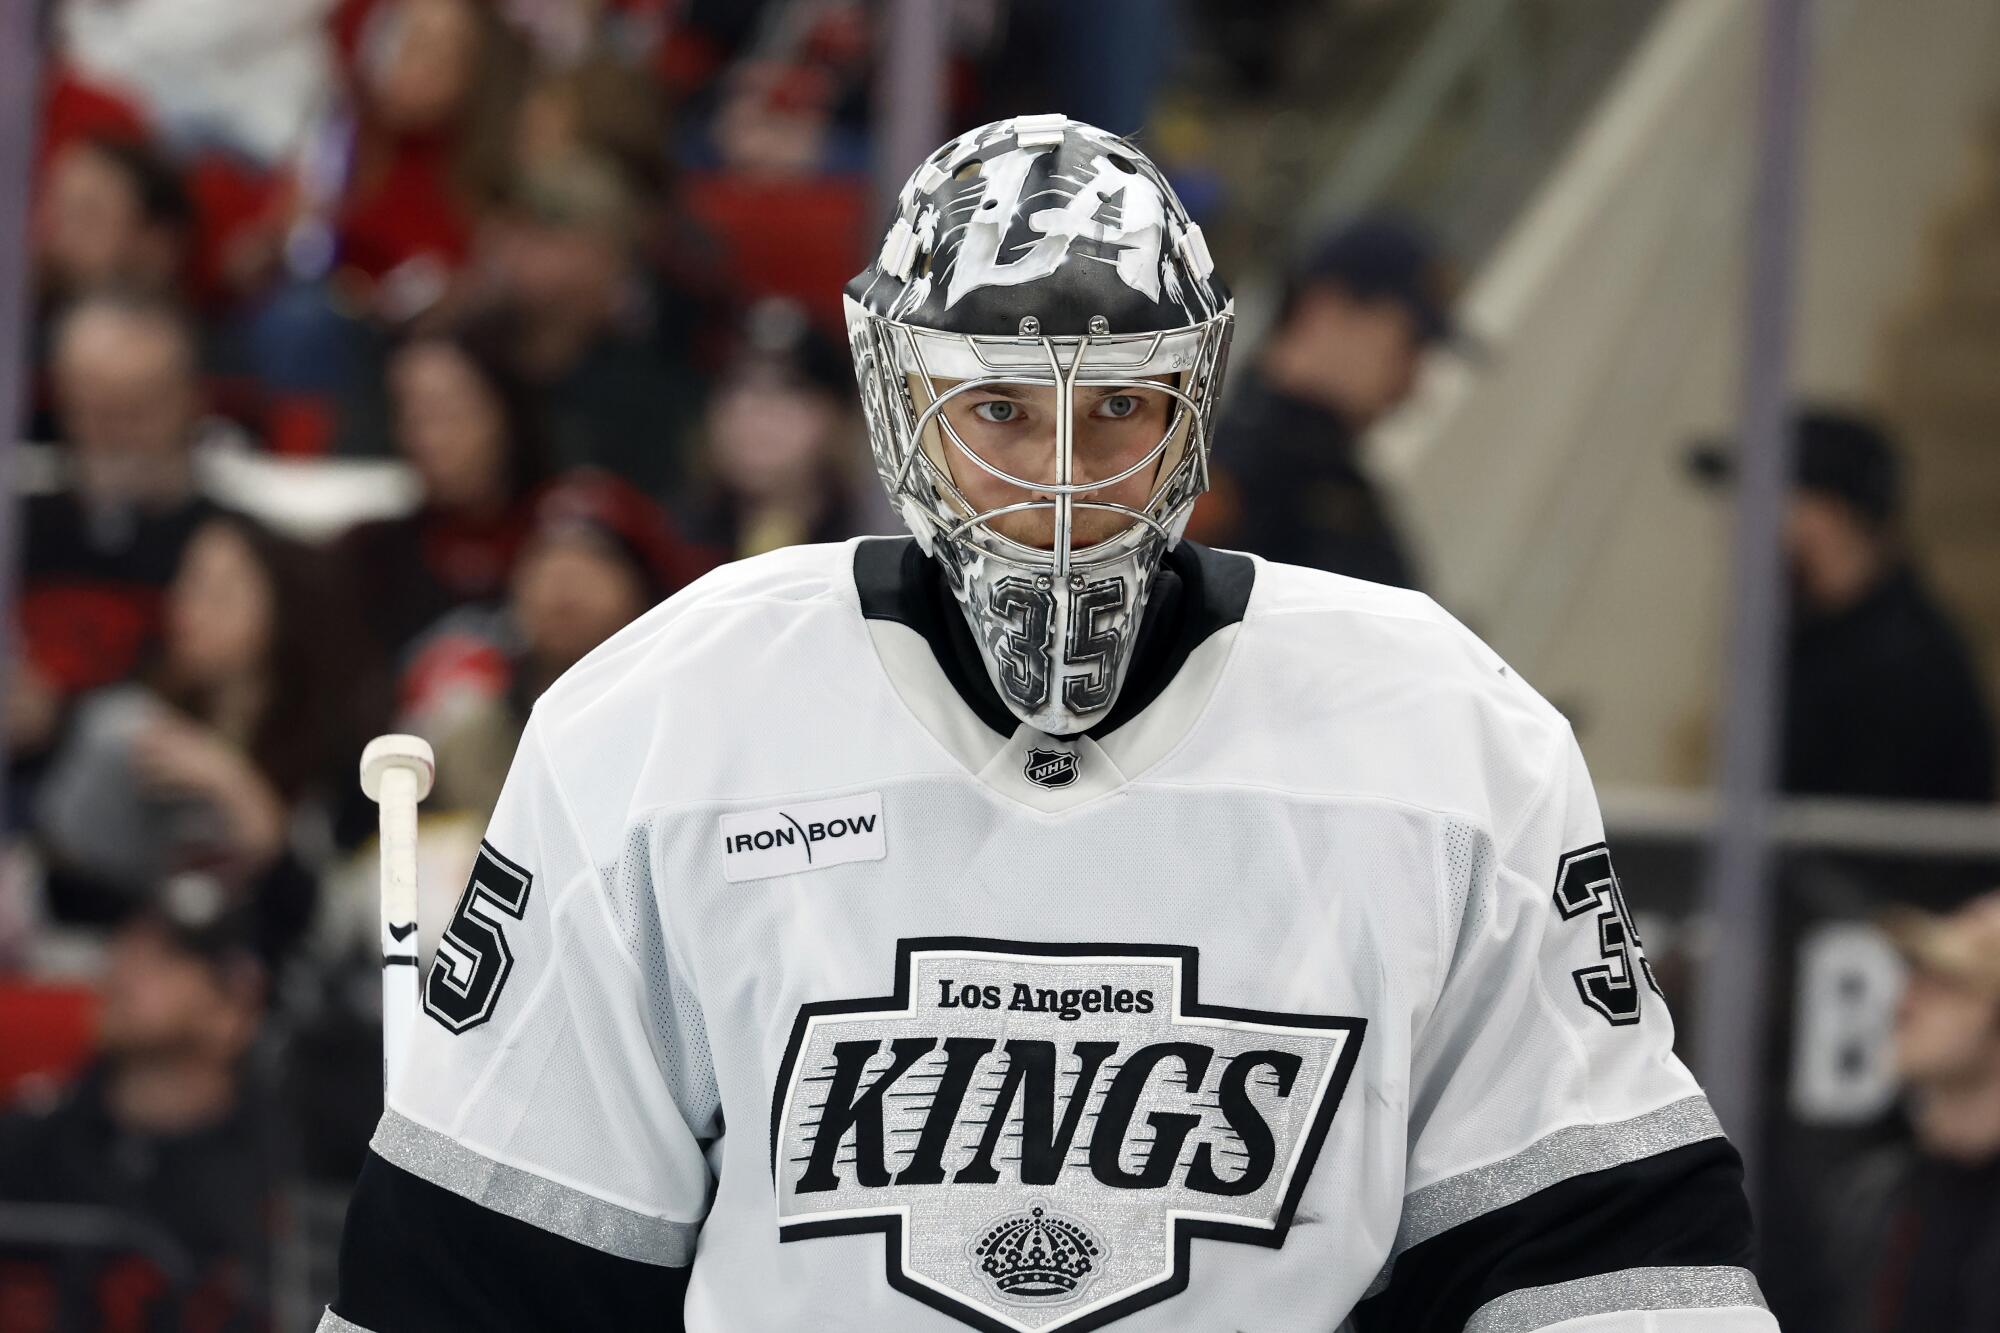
<point x="551" y="1117"/>
<point x="1563" y="1164"/>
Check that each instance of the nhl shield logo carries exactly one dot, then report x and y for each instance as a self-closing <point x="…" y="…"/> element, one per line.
<point x="1041" y="1131"/>
<point x="1050" y="768"/>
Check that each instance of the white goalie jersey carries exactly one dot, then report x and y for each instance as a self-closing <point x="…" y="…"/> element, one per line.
<point x="798" y="988"/>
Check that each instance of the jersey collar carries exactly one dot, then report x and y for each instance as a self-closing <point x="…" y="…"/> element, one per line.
<point x="927" y="652"/>
<point x="1197" y="592"/>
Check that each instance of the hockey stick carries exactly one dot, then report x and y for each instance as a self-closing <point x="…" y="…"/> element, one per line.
<point x="396" y="773"/>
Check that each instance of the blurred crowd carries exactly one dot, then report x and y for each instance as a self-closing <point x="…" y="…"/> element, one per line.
<point x="574" y="265"/>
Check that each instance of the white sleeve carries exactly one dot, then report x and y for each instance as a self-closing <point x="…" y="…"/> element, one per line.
<point x="555" y="1101"/>
<point x="1564" y="1170"/>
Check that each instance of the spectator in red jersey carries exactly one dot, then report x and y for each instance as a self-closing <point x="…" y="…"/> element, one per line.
<point x="162" y="1155"/>
<point x="600" y="555"/>
<point x="473" y="432"/>
<point x="780" y="438"/>
<point x="432" y="79"/>
<point x="251" y="714"/>
<point x="100" y="550"/>
<point x="370" y="226"/>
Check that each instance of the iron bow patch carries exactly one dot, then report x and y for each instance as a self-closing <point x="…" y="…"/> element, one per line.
<point x="1040" y="1131"/>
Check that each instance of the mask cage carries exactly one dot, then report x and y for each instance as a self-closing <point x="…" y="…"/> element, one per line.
<point x="898" y="363"/>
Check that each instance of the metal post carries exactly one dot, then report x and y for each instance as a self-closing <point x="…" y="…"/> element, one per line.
<point x="19" y="87"/>
<point x="909" y="125"/>
<point x="1733" y="1000"/>
<point x="909" y="97"/>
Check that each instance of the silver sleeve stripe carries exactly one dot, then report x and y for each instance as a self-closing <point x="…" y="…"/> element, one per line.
<point x="333" y="1323"/>
<point x="1629" y="1289"/>
<point x="1573" y="1150"/>
<point x="557" y="1209"/>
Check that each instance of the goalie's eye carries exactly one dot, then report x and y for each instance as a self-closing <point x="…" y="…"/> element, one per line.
<point x="997" y="411"/>
<point x="1119" y="406"/>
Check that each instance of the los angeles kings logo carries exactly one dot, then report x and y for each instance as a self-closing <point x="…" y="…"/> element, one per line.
<point x="1039" y="1130"/>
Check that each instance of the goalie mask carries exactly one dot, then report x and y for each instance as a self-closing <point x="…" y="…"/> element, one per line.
<point x="1038" y="346"/>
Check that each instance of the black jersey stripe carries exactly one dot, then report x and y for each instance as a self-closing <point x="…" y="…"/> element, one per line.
<point x="1570" y="1151"/>
<point x="1681" y="1208"/>
<point x="417" y="1258"/>
<point x="897" y="582"/>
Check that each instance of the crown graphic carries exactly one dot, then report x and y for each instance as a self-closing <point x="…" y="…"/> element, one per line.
<point x="1037" y="1256"/>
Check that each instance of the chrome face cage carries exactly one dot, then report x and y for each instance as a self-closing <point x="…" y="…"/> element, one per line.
<point x="887" y="352"/>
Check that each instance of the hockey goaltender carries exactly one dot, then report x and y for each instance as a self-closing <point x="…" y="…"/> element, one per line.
<point x="1392" y="1057"/>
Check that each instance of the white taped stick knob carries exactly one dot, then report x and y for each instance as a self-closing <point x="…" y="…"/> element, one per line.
<point x="397" y="752"/>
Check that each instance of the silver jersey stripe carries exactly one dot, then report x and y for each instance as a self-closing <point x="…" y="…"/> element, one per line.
<point x="558" y="1209"/>
<point x="1574" y="1150"/>
<point x="333" y="1323"/>
<point x="1629" y="1289"/>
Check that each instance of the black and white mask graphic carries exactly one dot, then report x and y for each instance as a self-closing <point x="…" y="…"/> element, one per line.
<point x="1038" y="347"/>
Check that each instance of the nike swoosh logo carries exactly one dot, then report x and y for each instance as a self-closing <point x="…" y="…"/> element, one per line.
<point x="402" y="932"/>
